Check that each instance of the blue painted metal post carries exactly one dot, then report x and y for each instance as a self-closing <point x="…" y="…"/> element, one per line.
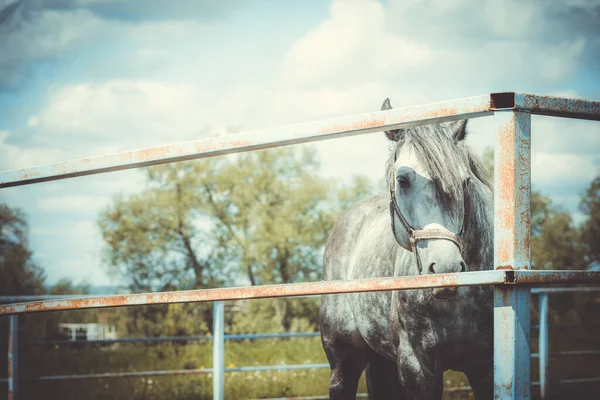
<point x="218" y="350"/>
<point x="13" y="351"/>
<point x="512" y="183"/>
<point x="543" y="343"/>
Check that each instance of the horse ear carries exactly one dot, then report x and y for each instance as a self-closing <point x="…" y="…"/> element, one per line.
<point x="395" y="134"/>
<point x="459" y="130"/>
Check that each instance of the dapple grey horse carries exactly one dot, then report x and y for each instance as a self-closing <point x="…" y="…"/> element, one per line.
<point x="438" y="218"/>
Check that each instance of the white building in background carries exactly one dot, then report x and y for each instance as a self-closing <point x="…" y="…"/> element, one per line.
<point x="88" y="331"/>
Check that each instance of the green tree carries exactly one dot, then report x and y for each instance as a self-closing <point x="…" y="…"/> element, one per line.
<point x="590" y="230"/>
<point x="20" y="274"/>
<point x="260" y="217"/>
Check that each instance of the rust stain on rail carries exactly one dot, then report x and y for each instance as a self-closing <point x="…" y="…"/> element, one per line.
<point x="28" y="175"/>
<point x="214" y="146"/>
<point x="364" y="124"/>
<point x="449" y="111"/>
<point x="527" y="277"/>
<point x="507" y="170"/>
<point x="567" y="106"/>
<point x="379" y="121"/>
<point x="154" y="153"/>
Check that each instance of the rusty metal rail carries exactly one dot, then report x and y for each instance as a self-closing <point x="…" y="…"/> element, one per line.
<point x="467" y="108"/>
<point x="492" y="277"/>
<point x="261" y="292"/>
<point x="472" y="107"/>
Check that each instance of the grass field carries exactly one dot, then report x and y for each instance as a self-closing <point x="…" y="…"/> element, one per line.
<point x="39" y="361"/>
<point x="239" y="385"/>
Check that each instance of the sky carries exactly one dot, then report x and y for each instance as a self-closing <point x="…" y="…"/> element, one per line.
<point x="88" y="77"/>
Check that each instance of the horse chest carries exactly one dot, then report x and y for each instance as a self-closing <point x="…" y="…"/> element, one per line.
<point x="372" y="315"/>
<point x="448" y="329"/>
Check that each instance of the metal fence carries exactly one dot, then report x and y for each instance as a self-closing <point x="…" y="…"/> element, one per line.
<point x="544" y="344"/>
<point x="511" y="276"/>
<point x="219" y="355"/>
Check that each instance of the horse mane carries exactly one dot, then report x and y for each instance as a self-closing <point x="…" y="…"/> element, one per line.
<point x="479" y="216"/>
<point x="445" y="160"/>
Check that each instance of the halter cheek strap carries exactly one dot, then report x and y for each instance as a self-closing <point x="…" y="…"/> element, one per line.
<point x="414" y="235"/>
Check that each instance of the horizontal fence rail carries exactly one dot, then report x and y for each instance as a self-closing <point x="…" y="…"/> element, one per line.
<point x="472" y="107"/>
<point x="269" y="368"/>
<point x="552" y="290"/>
<point x="195" y="371"/>
<point x="236" y="336"/>
<point x="264" y="291"/>
<point x="468" y="108"/>
<point x="492" y="277"/>
<point x="557" y="106"/>
<point x="569" y="353"/>
<point x="567" y="325"/>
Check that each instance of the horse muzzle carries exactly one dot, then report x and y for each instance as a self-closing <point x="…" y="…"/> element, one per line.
<point x="445" y="292"/>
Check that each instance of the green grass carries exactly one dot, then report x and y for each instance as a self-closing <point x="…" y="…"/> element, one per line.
<point x="239" y="385"/>
<point x="37" y="361"/>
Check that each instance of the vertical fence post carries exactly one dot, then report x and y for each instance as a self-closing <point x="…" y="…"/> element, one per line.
<point x="13" y="352"/>
<point x="512" y="187"/>
<point x="218" y="350"/>
<point x="543" y="343"/>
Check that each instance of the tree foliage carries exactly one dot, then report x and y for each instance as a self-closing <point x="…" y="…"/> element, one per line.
<point x="264" y="217"/>
<point x="20" y="274"/>
<point x="257" y="218"/>
<point x="590" y="230"/>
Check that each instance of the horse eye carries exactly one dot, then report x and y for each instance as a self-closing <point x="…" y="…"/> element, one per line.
<point x="403" y="182"/>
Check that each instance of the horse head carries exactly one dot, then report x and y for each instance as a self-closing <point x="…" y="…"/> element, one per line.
<point x="428" y="176"/>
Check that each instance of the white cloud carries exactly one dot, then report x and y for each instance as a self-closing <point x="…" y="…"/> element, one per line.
<point x="567" y="136"/>
<point x="32" y="31"/>
<point x="73" y="203"/>
<point x="352" y="44"/>
<point x="421" y="51"/>
<point x="48" y="35"/>
<point x="560" y="171"/>
<point x="437" y="48"/>
<point x="81" y="120"/>
<point x="15" y="157"/>
<point x="33" y="121"/>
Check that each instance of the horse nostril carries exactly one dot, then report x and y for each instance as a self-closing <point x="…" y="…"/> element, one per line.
<point x="463" y="267"/>
<point x="431" y="268"/>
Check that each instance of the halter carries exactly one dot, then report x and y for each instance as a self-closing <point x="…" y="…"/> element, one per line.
<point x="414" y="235"/>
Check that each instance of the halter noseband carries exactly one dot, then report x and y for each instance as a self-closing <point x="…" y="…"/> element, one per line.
<point x="414" y="235"/>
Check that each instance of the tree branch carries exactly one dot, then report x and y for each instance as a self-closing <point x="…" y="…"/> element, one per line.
<point x="187" y="244"/>
<point x="222" y="215"/>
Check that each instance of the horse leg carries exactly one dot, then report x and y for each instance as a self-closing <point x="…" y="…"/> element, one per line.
<point x="382" y="379"/>
<point x="347" y="357"/>
<point x="438" y="383"/>
<point x="419" y="379"/>
<point x="346" y="368"/>
<point x="481" y="380"/>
